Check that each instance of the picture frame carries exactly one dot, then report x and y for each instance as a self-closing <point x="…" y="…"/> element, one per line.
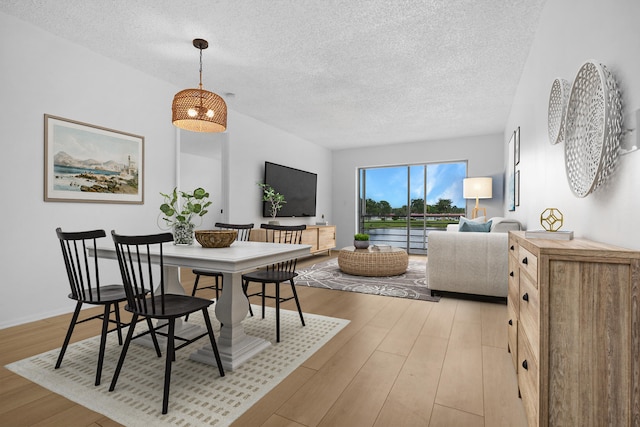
<point x="93" y="164"/>
<point x="510" y="181"/>
<point x="517" y="188"/>
<point x="517" y="148"/>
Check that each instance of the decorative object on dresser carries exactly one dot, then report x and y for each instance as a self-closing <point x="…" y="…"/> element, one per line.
<point x="551" y="220"/>
<point x="574" y="331"/>
<point x="593" y="128"/>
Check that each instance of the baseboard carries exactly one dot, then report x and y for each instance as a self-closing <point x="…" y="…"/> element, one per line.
<point x="473" y="297"/>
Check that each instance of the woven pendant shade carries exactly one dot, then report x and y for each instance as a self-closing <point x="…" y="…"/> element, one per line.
<point x="199" y="101"/>
<point x="199" y="110"/>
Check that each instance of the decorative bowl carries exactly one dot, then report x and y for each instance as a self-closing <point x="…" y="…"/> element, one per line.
<point x="216" y="238"/>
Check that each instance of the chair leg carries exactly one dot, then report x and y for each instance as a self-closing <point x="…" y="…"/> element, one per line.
<point x="193" y="292"/>
<point x="214" y="346"/>
<point x="277" y="311"/>
<point x="167" y="369"/>
<point x="295" y="296"/>
<point x="263" y="298"/>
<point x="67" y="338"/>
<point x="152" y="332"/>
<point x="118" y="322"/>
<point x="217" y="287"/>
<point x="245" y="288"/>
<point x="103" y="341"/>
<point x="123" y="353"/>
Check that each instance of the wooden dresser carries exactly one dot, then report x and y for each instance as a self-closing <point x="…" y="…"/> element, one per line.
<point x="574" y="331"/>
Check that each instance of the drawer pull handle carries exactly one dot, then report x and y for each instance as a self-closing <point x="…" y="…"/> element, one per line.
<point x="510" y="322"/>
<point x="525" y="365"/>
<point x="526" y="297"/>
<point x="525" y="261"/>
<point x="511" y="274"/>
<point x="512" y="248"/>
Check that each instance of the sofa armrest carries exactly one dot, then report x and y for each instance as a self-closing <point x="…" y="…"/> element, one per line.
<point x="471" y="263"/>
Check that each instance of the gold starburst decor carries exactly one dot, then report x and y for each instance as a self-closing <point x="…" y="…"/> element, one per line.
<point x="551" y="219"/>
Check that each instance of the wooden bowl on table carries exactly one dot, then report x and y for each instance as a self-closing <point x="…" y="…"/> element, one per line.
<point x="216" y="238"/>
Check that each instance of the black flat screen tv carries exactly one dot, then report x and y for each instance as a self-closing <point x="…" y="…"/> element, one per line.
<point x="297" y="186"/>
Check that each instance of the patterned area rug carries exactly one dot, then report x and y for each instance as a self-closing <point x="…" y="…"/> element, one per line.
<point x="199" y="397"/>
<point x="328" y="275"/>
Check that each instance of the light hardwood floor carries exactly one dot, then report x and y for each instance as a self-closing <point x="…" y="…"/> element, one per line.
<point x="398" y="363"/>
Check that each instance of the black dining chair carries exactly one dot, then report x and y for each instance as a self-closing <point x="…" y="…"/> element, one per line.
<point x="244" y="230"/>
<point x="277" y="273"/>
<point x="146" y="297"/>
<point x="84" y="280"/>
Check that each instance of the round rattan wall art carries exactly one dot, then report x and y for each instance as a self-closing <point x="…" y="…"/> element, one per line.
<point x="592" y="128"/>
<point x="558" y="99"/>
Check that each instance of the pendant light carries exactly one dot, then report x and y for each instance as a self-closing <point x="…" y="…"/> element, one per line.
<point x="199" y="110"/>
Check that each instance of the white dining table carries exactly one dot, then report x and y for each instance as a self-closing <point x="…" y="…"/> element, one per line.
<point x="234" y="345"/>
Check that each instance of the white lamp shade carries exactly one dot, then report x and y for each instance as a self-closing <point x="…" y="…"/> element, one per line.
<point x="477" y="188"/>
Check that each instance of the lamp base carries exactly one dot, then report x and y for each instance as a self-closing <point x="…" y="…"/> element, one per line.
<point x="475" y="211"/>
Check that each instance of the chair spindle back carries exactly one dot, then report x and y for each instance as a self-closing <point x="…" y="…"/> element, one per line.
<point x="82" y="271"/>
<point x="285" y="234"/>
<point x="142" y="276"/>
<point x="244" y="230"/>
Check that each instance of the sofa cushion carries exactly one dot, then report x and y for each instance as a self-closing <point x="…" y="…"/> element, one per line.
<point x="466" y="225"/>
<point x="504" y="225"/>
<point x="470" y="263"/>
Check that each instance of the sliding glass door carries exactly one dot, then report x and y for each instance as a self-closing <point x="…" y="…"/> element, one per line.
<point x="392" y="208"/>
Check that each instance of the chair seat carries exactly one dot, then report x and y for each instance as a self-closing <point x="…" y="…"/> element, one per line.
<point x="175" y="306"/>
<point x="108" y="294"/>
<point x="269" y="276"/>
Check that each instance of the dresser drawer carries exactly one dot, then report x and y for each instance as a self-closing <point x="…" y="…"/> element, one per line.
<point x="513" y="290"/>
<point x="512" y="334"/>
<point x="530" y="313"/>
<point x="528" y="379"/>
<point x="513" y="247"/>
<point x="529" y="263"/>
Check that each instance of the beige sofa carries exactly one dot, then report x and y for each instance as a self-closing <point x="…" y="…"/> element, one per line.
<point x="470" y="262"/>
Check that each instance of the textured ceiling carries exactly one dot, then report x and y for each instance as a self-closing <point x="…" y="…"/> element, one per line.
<point x="342" y="74"/>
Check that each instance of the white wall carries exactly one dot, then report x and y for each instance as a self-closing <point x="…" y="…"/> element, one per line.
<point x="483" y="153"/>
<point x="251" y="143"/>
<point x="42" y="73"/>
<point x="570" y="33"/>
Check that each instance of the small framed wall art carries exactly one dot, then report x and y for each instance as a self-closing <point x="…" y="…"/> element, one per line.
<point x="87" y="163"/>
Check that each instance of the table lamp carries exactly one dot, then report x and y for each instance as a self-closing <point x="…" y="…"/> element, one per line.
<point x="477" y="188"/>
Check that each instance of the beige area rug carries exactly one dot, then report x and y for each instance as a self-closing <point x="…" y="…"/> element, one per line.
<point x="199" y="397"/>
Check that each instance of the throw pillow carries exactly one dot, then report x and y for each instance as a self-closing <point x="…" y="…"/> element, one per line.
<point x="475" y="227"/>
<point x="480" y="219"/>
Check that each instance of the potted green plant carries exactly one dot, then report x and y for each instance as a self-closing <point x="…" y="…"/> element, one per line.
<point x="361" y="240"/>
<point x="180" y="208"/>
<point x="277" y="200"/>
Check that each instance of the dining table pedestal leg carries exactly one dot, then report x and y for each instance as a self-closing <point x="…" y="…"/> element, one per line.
<point x="234" y="345"/>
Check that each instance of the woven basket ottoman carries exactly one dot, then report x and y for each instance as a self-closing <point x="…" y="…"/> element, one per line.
<point x="371" y="262"/>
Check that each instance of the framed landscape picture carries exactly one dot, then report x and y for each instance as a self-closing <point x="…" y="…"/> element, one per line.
<point x="87" y="163"/>
<point x="511" y="175"/>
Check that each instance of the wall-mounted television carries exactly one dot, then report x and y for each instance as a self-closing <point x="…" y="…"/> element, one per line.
<point x="297" y="186"/>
